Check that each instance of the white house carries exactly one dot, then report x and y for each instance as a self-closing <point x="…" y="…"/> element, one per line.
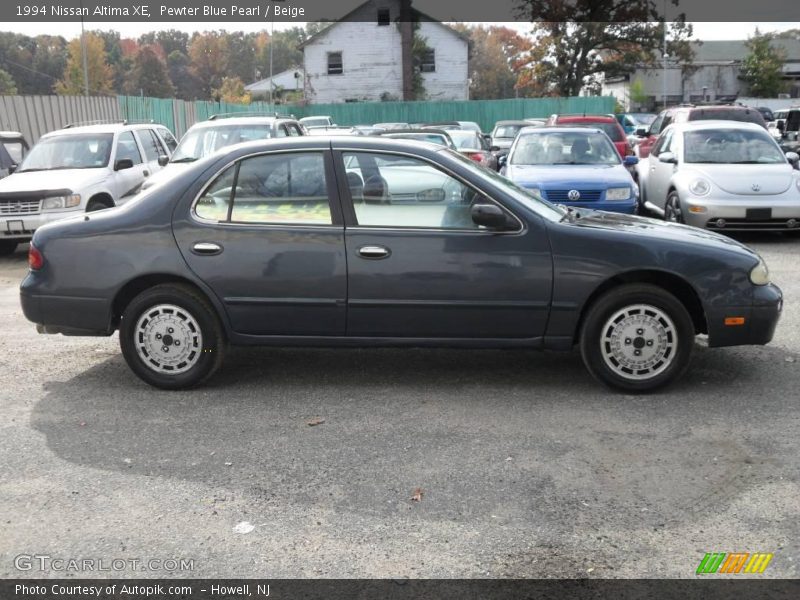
<point x="713" y="75"/>
<point x="360" y="57"/>
<point x="286" y="81"/>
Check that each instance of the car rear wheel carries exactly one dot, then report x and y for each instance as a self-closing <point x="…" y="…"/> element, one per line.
<point x="7" y="247"/>
<point x="171" y="337"/>
<point x="637" y="338"/>
<point x="672" y="208"/>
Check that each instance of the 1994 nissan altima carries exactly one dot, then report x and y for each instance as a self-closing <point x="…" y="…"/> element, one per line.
<point x="370" y="241"/>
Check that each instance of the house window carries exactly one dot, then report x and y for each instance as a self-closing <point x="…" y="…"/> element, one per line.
<point x="335" y="63"/>
<point x="428" y="64"/>
<point x="383" y="17"/>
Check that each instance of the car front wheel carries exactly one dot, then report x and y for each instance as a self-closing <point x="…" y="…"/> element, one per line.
<point x="171" y="337"/>
<point x="672" y="208"/>
<point x="637" y="338"/>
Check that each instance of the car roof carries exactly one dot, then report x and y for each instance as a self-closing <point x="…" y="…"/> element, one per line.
<point x="512" y="122"/>
<point x="560" y="129"/>
<point x="211" y="123"/>
<point x="586" y="119"/>
<point x="715" y="124"/>
<point x="102" y="128"/>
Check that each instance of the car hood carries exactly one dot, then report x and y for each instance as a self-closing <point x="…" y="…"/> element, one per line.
<point x="597" y="219"/>
<point x="568" y="176"/>
<point x="750" y="180"/>
<point x="166" y="173"/>
<point x="56" y="179"/>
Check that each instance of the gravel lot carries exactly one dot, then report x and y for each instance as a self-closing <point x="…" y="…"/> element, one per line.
<point x="528" y="468"/>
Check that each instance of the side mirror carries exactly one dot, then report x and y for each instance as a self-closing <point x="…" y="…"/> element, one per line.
<point x="488" y="215"/>
<point x="793" y="158"/>
<point x="163" y="159"/>
<point x="640" y="132"/>
<point x="629" y="161"/>
<point x="502" y="160"/>
<point x="668" y="157"/>
<point x="12" y="167"/>
<point x="123" y="163"/>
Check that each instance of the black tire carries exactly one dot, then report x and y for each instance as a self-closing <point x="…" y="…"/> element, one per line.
<point x="97" y="205"/>
<point x="597" y="337"/>
<point x="8" y="247"/>
<point x="673" y="211"/>
<point x="195" y="313"/>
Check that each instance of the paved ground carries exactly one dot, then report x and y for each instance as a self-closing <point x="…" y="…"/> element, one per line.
<point x="528" y="468"/>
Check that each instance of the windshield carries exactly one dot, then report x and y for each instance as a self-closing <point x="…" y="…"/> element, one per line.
<point x="538" y="205"/>
<point x="14" y="149"/>
<point x="567" y="148"/>
<point x="315" y="121"/>
<point x="507" y="131"/>
<point x="206" y="140"/>
<point x="612" y="130"/>
<point x="642" y="118"/>
<point x="465" y="140"/>
<point x="731" y="146"/>
<point x="69" y="151"/>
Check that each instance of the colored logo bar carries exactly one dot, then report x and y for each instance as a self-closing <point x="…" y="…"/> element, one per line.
<point x="734" y="562"/>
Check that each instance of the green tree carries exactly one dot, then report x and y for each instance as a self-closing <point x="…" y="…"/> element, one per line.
<point x="7" y="85"/>
<point x="170" y="40"/>
<point x="577" y="41"/>
<point x="149" y="75"/>
<point x="187" y="86"/>
<point x="762" y="68"/>
<point x="100" y="73"/>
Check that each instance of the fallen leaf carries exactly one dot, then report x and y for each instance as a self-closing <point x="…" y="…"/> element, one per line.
<point x="417" y="495"/>
<point x="315" y="421"/>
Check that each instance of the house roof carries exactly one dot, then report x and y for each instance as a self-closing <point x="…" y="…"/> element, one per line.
<point x="736" y="50"/>
<point x="278" y="80"/>
<point x="418" y="15"/>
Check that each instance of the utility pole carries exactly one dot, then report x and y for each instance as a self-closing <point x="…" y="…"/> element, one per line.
<point x="664" y="57"/>
<point x="271" y="45"/>
<point x="83" y="55"/>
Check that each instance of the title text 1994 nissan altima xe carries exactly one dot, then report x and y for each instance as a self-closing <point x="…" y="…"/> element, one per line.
<point x="370" y="241"/>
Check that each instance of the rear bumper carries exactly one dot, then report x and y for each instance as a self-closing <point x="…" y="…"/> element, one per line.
<point x="68" y="315"/>
<point x="760" y="320"/>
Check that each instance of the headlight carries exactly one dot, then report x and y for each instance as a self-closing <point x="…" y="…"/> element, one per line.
<point x="60" y="202"/>
<point x="699" y="187"/>
<point x="620" y="193"/>
<point x="760" y="273"/>
<point x="797" y="183"/>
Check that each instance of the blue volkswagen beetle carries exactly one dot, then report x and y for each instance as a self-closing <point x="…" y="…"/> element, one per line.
<point x="574" y="166"/>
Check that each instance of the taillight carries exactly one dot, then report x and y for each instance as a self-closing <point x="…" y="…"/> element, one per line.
<point x="476" y="156"/>
<point x="35" y="258"/>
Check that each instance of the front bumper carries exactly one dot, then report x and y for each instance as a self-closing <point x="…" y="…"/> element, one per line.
<point x="746" y="213"/>
<point x="21" y="227"/>
<point x="760" y="320"/>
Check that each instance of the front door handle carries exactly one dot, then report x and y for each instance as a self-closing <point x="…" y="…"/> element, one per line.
<point x="374" y="252"/>
<point x="206" y="248"/>
<point x="146" y="173"/>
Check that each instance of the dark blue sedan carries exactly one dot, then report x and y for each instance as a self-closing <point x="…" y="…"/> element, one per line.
<point x="376" y="242"/>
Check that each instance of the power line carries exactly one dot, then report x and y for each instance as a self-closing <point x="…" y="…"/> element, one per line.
<point x="16" y="64"/>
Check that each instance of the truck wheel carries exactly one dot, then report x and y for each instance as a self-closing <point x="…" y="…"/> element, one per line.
<point x="637" y="338"/>
<point x="171" y="337"/>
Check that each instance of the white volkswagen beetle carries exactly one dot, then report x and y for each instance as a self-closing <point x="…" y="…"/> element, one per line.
<point x="721" y="175"/>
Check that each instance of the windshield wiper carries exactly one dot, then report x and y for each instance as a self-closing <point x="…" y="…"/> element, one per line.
<point x="571" y="214"/>
<point x="185" y="159"/>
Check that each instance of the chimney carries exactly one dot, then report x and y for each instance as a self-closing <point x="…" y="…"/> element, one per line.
<point x="406" y="44"/>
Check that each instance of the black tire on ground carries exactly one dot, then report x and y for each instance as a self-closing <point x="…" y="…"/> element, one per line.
<point x="672" y="208"/>
<point x="192" y="305"/>
<point x="97" y="205"/>
<point x="7" y="247"/>
<point x="597" y="339"/>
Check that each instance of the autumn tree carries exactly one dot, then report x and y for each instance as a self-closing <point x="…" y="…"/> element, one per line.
<point x="169" y="40"/>
<point x="208" y="53"/>
<point x="577" y="41"/>
<point x="7" y="85"/>
<point x="495" y="56"/>
<point x="100" y="73"/>
<point x="149" y="75"/>
<point x="34" y="63"/>
<point x="232" y="90"/>
<point x="762" y="68"/>
<point x="187" y="85"/>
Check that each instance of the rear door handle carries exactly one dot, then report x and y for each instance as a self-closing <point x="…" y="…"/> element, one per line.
<point x="374" y="252"/>
<point x="206" y="248"/>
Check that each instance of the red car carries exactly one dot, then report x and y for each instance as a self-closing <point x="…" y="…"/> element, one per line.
<point x="606" y="123"/>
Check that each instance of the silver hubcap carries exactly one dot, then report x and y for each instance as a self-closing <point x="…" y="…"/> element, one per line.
<point x="674" y="213"/>
<point x="168" y="339"/>
<point x="639" y="342"/>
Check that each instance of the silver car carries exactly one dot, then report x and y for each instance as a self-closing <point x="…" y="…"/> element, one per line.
<point x="721" y="175"/>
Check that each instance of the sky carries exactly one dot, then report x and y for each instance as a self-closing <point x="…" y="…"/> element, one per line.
<point x="702" y="31"/>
